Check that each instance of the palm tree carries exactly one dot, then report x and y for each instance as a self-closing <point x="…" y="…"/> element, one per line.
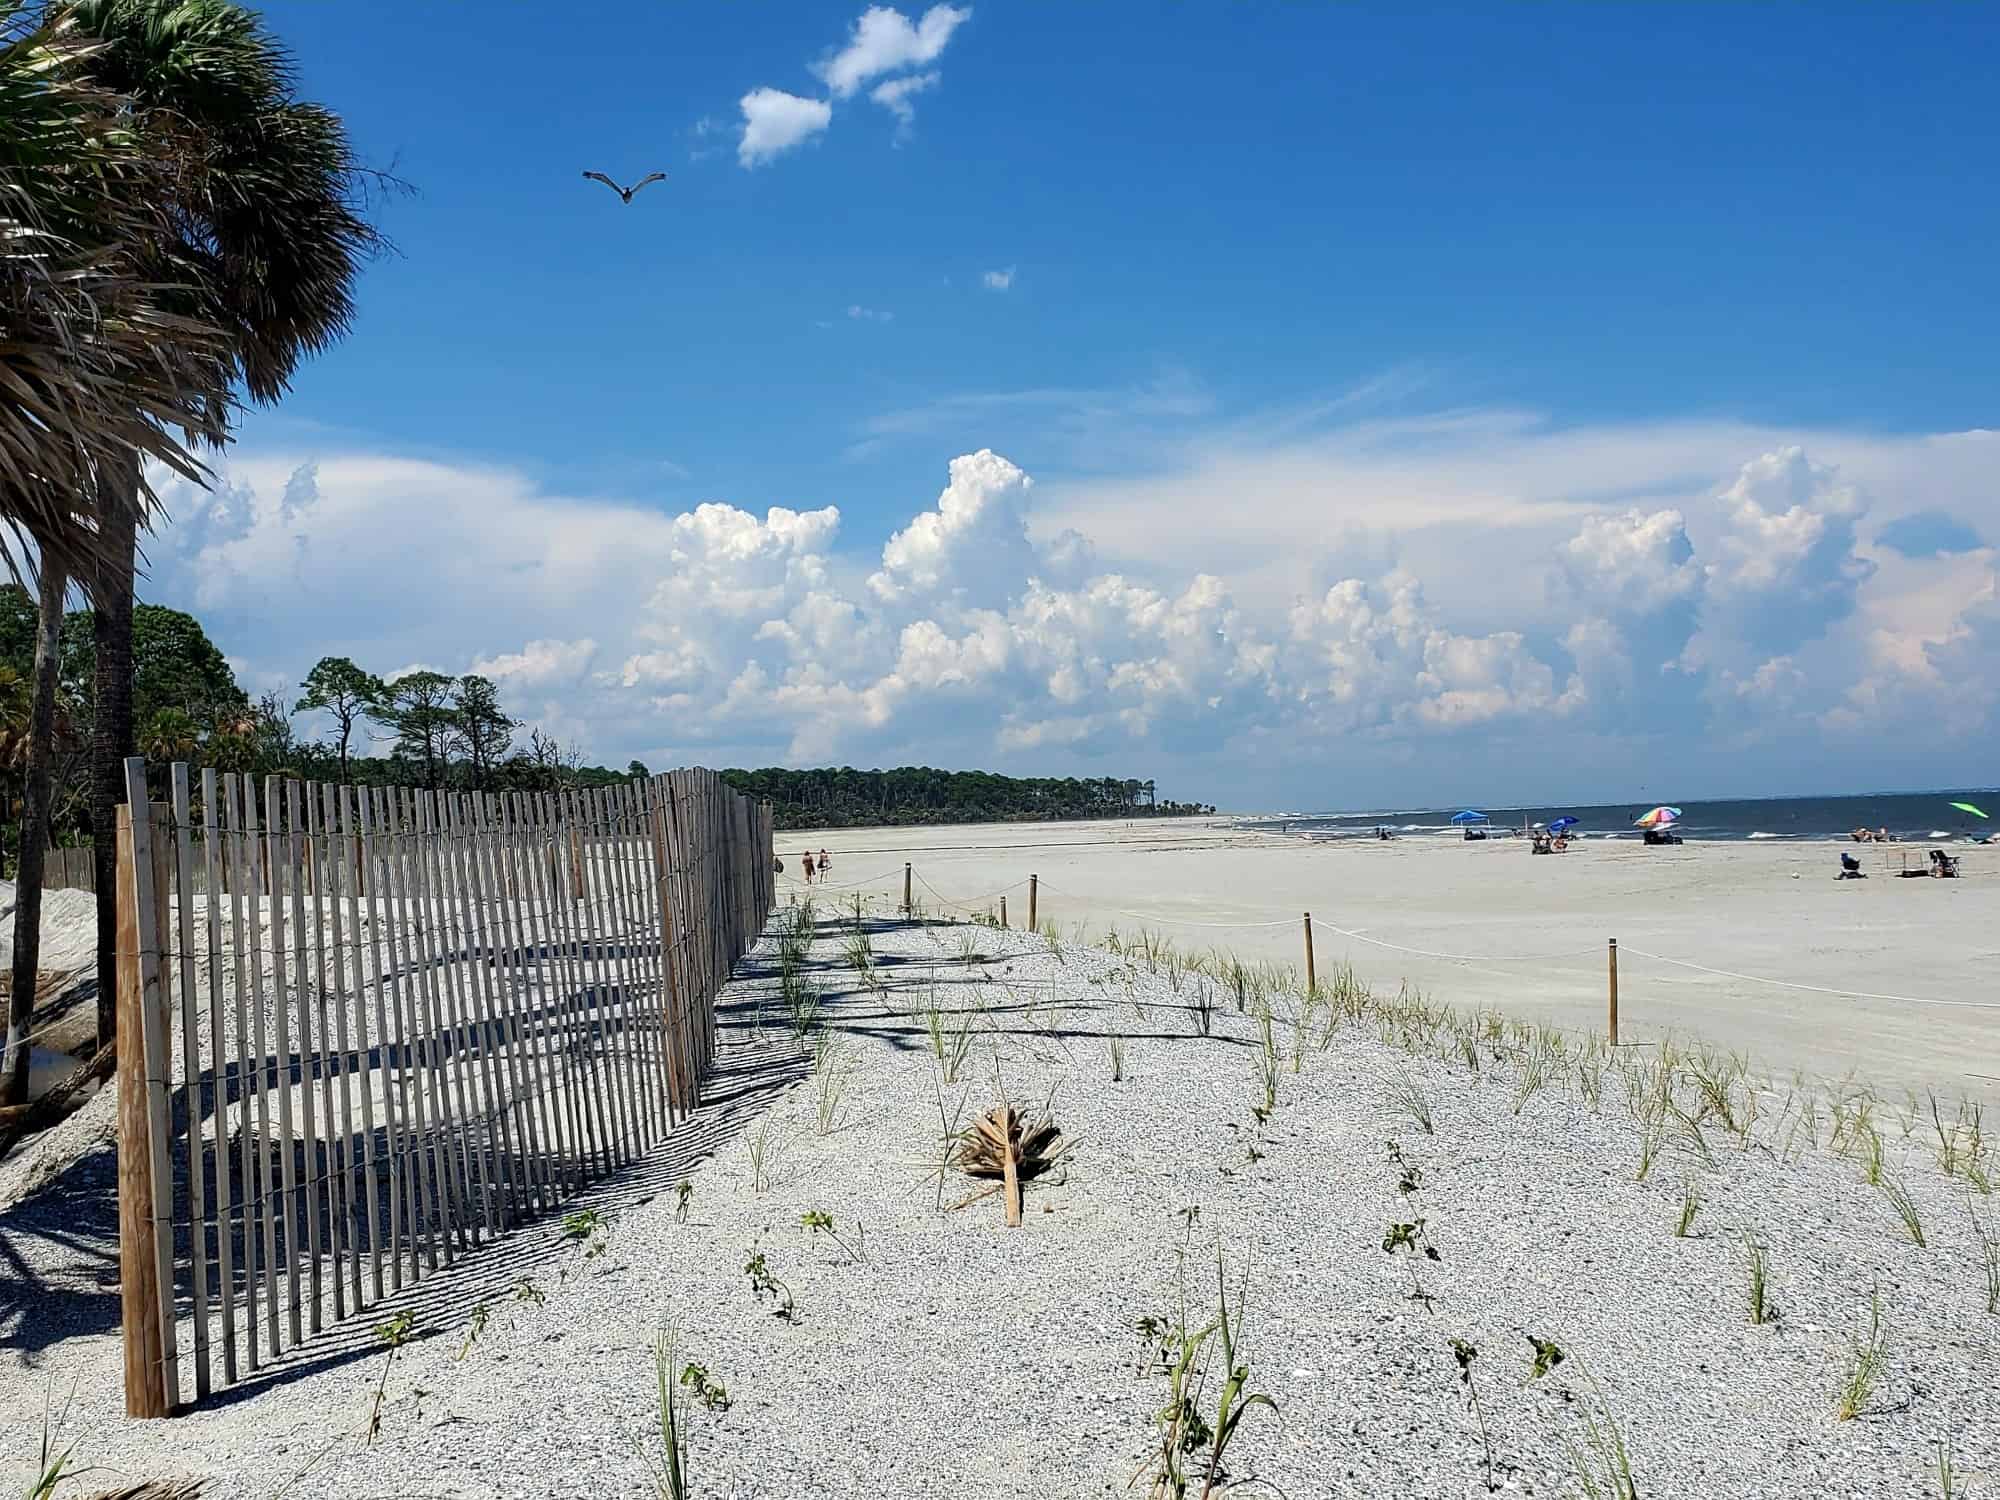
<point x="268" y="233"/>
<point x="94" y="377"/>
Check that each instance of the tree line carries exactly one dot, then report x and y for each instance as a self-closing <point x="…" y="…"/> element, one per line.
<point x="847" y="798"/>
<point x="423" y="729"/>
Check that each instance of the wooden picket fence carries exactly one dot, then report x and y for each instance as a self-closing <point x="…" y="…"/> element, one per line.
<point x="450" y="1013"/>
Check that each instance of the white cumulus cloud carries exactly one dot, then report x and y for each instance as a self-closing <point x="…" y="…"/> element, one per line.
<point x="998" y="281"/>
<point x="775" y="122"/>
<point x="885" y="41"/>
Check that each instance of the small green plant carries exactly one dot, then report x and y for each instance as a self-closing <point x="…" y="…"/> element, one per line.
<point x="394" y="1333"/>
<point x="1906" y="1209"/>
<point x="1414" y="1103"/>
<point x="1601" y="1464"/>
<point x="767" y="1144"/>
<point x="1412" y="1237"/>
<point x="1947" y="1479"/>
<point x="50" y="1466"/>
<point x="525" y="1290"/>
<point x="1267" y="1060"/>
<point x="683" y="1196"/>
<point x="1409" y="1176"/>
<point x="670" y="1474"/>
<point x="1762" y="1309"/>
<point x="710" y="1392"/>
<point x="1547" y="1355"/>
<point x="1690" y="1206"/>
<point x="473" y="1328"/>
<point x="833" y="1074"/>
<point x="1865" y="1359"/>
<point x="817" y="1222"/>
<point x="763" y="1284"/>
<point x="951" y="1039"/>
<point x="1650" y="1139"/>
<point x="590" y="1228"/>
<point x="1052" y="935"/>
<point x="1464" y="1354"/>
<point x="1989" y="1256"/>
<point x="1191" y="1359"/>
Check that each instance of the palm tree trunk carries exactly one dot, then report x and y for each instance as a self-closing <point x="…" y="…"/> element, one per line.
<point x="34" y="835"/>
<point x="111" y="739"/>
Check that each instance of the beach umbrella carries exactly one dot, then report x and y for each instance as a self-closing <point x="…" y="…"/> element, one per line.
<point x="1659" y="817"/>
<point x="1967" y="807"/>
<point x="1562" y="823"/>
<point x="1468" y="816"/>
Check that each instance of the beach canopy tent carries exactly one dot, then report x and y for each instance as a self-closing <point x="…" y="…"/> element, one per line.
<point x="1561" y="824"/>
<point x="1967" y="807"/>
<point x="1468" y="816"/>
<point x="1659" y="817"/>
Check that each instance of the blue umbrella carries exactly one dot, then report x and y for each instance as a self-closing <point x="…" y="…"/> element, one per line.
<point x="1469" y="817"/>
<point x="1561" y="823"/>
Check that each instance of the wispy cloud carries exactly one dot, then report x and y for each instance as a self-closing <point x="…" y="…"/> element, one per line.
<point x="998" y="281"/>
<point x="895" y="96"/>
<point x="861" y="314"/>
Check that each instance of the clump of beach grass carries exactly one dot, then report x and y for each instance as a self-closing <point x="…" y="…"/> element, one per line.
<point x="1412" y="1102"/>
<point x="1690" y="1206"/>
<point x="1863" y="1369"/>
<point x="1905" y="1207"/>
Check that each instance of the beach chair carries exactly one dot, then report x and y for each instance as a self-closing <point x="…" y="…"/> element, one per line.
<point x="1850" y="868"/>
<point x="1944" y="865"/>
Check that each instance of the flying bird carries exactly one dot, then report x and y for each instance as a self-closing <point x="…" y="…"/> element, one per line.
<point x="626" y="192"/>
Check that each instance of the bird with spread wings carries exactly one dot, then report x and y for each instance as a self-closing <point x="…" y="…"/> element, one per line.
<point x="626" y="192"/>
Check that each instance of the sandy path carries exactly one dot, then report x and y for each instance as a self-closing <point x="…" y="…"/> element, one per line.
<point x="1538" y="925"/>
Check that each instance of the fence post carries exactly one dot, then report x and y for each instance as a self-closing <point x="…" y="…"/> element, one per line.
<point x="908" y="908"/>
<point x="1614" y="990"/>
<point x="1312" y="979"/>
<point x="1034" y="882"/>
<point x="1003" y="911"/>
<point x="145" y="1237"/>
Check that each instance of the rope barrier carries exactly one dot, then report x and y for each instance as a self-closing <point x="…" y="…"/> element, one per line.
<point x="1141" y="916"/>
<point x="1816" y="989"/>
<point x="973" y="904"/>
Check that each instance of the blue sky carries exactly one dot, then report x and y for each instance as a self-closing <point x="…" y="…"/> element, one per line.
<point x="1280" y="296"/>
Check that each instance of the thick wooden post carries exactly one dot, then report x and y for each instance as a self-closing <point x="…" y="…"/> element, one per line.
<point x="138" y="1279"/>
<point x="145" y="1184"/>
<point x="1312" y="978"/>
<point x="1003" y="911"/>
<point x="1614" y="990"/>
<point x="908" y="906"/>
<point x="1034" y="923"/>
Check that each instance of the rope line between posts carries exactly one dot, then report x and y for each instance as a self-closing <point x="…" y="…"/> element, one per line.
<point x="965" y="907"/>
<point x="1141" y="916"/>
<point x="1459" y="958"/>
<point x="1815" y="989"/>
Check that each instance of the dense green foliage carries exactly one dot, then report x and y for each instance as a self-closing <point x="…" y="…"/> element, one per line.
<point x="847" y="798"/>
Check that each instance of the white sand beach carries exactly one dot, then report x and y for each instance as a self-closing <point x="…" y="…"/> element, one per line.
<point x="1703" y="1257"/>
<point x="1532" y="930"/>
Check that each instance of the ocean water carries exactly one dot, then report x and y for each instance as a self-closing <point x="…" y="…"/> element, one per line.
<point x="1911" y="817"/>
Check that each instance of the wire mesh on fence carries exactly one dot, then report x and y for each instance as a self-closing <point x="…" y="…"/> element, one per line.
<point x="364" y="1030"/>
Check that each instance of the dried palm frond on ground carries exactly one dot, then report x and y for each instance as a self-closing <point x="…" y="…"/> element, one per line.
<point x="1002" y="1143"/>
<point x="156" y="1489"/>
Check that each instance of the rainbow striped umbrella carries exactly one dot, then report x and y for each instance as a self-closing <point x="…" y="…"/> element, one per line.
<point x="1659" y="817"/>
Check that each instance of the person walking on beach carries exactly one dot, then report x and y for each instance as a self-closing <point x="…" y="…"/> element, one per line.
<point x="806" y="864"/>
<point x="825" y="863"/>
